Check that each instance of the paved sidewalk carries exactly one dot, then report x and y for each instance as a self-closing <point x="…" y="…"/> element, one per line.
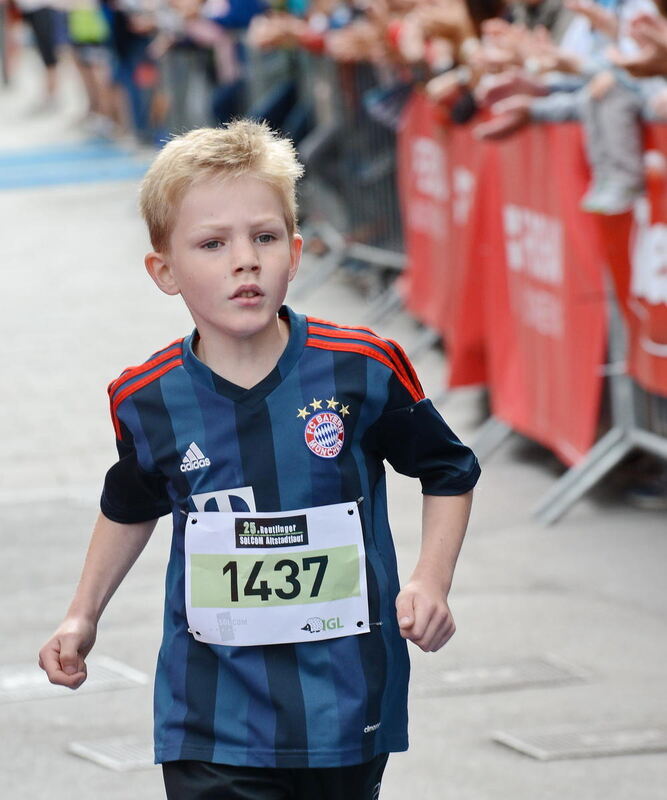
<point x="76" y="307"/>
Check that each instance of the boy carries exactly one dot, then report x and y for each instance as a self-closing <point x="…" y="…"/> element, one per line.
<point x="283" y="669"/>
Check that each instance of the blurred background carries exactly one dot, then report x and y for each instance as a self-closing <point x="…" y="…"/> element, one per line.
<point x="486" y="182"/>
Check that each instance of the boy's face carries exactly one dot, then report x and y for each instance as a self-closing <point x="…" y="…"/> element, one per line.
<point x="230" y="257"/>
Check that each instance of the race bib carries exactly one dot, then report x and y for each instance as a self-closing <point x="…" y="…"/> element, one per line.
<point x="255" y="578"/>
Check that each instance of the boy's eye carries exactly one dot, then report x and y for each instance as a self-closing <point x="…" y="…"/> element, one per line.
<point x="214" y="244"/>
<point x="265" y="238"/>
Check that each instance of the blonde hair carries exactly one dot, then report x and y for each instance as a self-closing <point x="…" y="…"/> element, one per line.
<point x="240" y="148"/>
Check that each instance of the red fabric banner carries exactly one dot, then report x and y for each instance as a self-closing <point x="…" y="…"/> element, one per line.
<point x="507" y="268"/>
<point x="424" y="193"/>
<point x="439" y="166"/>
<point x="546" y="313"/>
<point x="636" y="247"/>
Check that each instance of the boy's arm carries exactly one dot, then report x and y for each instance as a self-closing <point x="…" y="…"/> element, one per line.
<point x="113" y="548"/>
<point x="421" y="606"/>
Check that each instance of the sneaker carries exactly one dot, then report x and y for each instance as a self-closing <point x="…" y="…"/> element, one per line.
<point x="611" y="198"/>
<point x="590" y="202"/>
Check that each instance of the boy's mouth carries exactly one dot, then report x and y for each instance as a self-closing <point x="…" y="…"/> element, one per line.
<point x="247" y="292"/>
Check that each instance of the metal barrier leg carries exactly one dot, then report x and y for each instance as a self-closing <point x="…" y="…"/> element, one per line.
<point x="653" y="443"/>
<point x="603" y="457"/>
<point x="387" y="302"/>
<point x="624" y="436"/>
<point x="489" y="437"/>
<point x="427" y="338"/>
<point x="439" y="398"/>
<point x="321" y="271"/>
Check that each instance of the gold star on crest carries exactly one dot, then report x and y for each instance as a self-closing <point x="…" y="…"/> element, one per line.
<point x="344" y="411"/>
<point x="302" y="413"/>
<point x="332" y="403"/>
<point x="316" y="404"/>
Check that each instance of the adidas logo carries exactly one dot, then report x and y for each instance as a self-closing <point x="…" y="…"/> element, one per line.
<point x="194" y="459"/>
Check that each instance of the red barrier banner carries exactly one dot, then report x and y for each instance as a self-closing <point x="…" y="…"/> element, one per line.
<point x="424" y="194"/>
<point x="502" y="262"/>
<point x="545" y="306"/>
<point x="438" y="167"/>
<point x="636" y="246"/>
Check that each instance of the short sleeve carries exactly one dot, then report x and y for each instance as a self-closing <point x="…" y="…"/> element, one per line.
<point x="130" y="493"/>
<point x="416" y="441"/>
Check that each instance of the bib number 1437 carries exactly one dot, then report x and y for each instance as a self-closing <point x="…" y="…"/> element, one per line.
<point x="250" y="581"/>
<point x="287" y="568"/>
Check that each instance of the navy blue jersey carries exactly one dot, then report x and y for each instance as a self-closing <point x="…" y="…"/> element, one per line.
<point x="189" y="440"/>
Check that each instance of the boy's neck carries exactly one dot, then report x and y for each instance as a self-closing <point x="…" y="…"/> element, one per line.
<point x="244" y="362"/>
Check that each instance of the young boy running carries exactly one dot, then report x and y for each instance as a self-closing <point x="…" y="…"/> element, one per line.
<point x="283" y="670"/>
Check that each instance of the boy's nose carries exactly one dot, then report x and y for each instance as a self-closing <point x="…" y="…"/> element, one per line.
<point x="244" y="258"/>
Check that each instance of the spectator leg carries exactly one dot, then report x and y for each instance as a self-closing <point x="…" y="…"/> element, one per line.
<point x="594" y="138"/>
<point x="619" y="115"/>
<point x="615" y="152"/>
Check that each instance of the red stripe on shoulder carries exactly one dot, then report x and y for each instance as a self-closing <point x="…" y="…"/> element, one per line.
<point x="155" y="360"/>
<point x="407" y="364"/>
<point x="353" y="347"/>
<point x="134" y="378"/>
<point x="400" y="363"/>
<point x="134" y="387"/>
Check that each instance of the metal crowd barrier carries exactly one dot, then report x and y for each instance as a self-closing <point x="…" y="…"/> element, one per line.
<point x="349" y="153"/>
<point x="638" y="422"/>
<point x="348" y="197"/>
<point x="349" y="193"/>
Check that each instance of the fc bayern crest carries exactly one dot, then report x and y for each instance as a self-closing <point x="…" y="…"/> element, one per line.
<point x="325" y="434"/>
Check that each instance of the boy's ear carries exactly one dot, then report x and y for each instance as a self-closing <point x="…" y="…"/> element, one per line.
<point x="296" y="248"/>
<point x="161" y="273"/>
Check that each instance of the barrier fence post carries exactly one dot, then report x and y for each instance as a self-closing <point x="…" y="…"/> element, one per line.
<point x="350" y="165"/>
<point x="626" y="434"/>
<point x="491" y="435"/>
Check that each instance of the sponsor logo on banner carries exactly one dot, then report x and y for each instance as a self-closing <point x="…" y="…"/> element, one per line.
<point x="649" y="257"/>
<point x="428" y="167"/>
<point x="464" y="191"/>
<point x="534" y="250"/>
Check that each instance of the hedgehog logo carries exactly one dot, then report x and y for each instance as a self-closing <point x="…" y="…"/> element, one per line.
<point x="313" y="625"/>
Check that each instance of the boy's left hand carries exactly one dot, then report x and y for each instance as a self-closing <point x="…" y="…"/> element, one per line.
<point x="424" y="616"/>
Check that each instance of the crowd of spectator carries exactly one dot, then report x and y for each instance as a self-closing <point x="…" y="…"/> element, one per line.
<point x="499" y="63"/>
<point x="511" y="63"/>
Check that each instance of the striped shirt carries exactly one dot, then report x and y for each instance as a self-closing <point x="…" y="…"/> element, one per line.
<point x="189" y="440"/>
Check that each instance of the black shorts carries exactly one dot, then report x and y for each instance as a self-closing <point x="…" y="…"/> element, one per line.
<point x="42" y="23"/>
<point x="201" y="780"/>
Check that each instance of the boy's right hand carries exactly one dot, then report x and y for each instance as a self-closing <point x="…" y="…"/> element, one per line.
<point x="63" y="656"/>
